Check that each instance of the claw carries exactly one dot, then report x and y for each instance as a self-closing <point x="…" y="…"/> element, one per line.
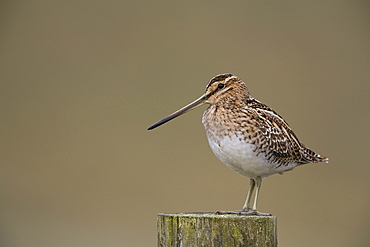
<point x="243" y="212"/>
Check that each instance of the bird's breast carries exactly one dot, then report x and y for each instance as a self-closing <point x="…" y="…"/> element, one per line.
<point x="234" y="145"/>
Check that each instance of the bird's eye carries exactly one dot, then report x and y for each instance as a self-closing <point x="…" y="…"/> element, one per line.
<point x="221" y="85"/>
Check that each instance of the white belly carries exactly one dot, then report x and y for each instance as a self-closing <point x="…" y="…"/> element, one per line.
<point x="240" y="156"/>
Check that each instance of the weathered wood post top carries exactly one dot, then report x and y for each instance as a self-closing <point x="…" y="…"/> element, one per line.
<point x="211" y="229"/>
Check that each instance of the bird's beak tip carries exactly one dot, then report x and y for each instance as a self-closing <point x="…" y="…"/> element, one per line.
<point x="198" y="102"/>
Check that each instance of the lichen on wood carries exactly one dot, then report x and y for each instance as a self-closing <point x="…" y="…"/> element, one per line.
<point x="210" y="229"/>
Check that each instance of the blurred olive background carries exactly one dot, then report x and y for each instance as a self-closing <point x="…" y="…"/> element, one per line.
<point x="82" y="80"/>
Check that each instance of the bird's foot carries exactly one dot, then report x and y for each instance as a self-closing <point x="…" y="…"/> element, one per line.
<point x="244" y="212"/>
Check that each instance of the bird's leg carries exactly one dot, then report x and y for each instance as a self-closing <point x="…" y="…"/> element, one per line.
<point x="254" y="211"/>
<point x="254" y="183"/>
<point x="247" y="204"/>
<point x="258" y="182"/>
<point x="247" y="210"/>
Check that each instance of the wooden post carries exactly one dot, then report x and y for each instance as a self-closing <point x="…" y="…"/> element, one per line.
<point x="210" y="229"/>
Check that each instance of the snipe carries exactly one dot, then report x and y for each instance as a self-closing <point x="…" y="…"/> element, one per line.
<point x="247" y="135"/>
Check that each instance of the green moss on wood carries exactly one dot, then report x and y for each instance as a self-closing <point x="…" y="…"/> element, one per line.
<point x="209" y="229"/>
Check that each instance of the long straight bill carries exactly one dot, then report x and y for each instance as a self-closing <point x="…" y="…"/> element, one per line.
<point x="185" y="109"/>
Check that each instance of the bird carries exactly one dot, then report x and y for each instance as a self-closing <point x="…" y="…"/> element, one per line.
<point x="246" y="135"/>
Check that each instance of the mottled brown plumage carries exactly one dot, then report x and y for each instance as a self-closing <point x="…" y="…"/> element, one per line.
<point x="237" y="111"/>
<point x="247" y="135"/>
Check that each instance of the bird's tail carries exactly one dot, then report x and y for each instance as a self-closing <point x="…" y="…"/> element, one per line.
<point x="310" y="156"/>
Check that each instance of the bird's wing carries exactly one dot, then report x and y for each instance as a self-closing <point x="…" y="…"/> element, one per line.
<point x="278" y="139"/>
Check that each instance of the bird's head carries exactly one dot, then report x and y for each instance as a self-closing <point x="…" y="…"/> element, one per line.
<point x="220" y="89"/>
